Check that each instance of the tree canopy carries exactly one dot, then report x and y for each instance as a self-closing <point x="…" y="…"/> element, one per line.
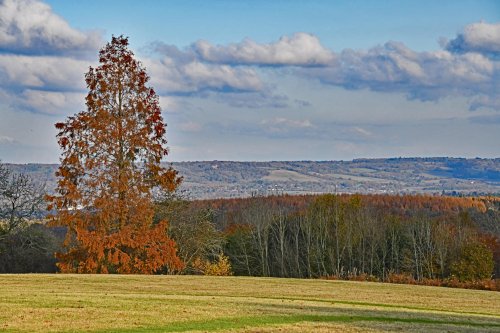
<point x="110" y="167"/>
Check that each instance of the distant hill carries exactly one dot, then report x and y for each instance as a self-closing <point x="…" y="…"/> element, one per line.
<point x="226" y="179"/>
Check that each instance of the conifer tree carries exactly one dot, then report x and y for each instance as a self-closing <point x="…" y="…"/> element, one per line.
<point x="110" y="166"/>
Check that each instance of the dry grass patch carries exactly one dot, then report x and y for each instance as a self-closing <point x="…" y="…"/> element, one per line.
<point x="127" y="303"/>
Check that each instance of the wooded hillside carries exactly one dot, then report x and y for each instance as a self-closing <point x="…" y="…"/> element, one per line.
<point x="377" y="237"/>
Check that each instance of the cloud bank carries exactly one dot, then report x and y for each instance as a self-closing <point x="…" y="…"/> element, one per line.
<point x="43" y="60"/>
<point x="43" y="72"/>
<point x="301" y="49"/>
<point x="30" y="27"/>
<point x="169" y="75"/>
<point x="468" y="65"/>
<point x="427" y="76"/>
<point x="479" y="37"/>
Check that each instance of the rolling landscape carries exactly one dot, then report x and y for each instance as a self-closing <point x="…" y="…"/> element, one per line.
<point x="212" y="233"/>
<point x="249" y="166"/>
<point x="232" y="179"/>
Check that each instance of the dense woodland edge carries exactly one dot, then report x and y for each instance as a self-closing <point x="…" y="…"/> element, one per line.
<point x="417" y="239"/>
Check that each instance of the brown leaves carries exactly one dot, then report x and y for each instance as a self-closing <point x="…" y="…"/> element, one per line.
<point x="63" y="142"/>
<point x="110" y="163"/>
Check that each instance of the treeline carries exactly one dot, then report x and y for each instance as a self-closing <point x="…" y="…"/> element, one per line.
<point x="411" y="238"/>
<point x="378" y="237"/>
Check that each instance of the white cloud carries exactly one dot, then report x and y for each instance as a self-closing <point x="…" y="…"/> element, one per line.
<point x="47" y="72"/>
<point x="423" y="75"/>
<point x="170" y="76"/>
<point x="291" y="123"/>
<point x="428" y="76"/>
<point x="49" y="102"/>
<point x="481" y="101"/>
<point x="361" y="131"/>
<point x="220" y="77"/>
<point x="237" y="74"/>
<point x="5" y="140"/>
<point x="30" y="27"/>
<point x="301" y="49"/>
<point x="41" y="66"/>
<point x="281" y="127"/>
<point x="477" y="37"/>
<point x="168" y="104"/>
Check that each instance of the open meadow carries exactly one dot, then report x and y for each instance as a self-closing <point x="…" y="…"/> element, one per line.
<point x="133" y="303"/>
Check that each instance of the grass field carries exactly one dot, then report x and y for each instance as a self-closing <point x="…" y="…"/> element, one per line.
<point x="114" y="303"/>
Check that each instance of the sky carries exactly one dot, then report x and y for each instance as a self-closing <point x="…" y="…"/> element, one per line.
<point x="266" y="80"/>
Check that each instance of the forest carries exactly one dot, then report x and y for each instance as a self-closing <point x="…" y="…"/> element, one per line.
<point x="411" y="239"/>
<point x="419" y="239"/>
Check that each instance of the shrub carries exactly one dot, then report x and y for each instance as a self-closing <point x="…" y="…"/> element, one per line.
<point x="474" y="263"/>
<point x="400" y="278"/>
<point x="221" y="267"/>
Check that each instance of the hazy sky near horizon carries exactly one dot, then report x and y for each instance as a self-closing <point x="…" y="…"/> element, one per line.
<point x="266" y="80"/>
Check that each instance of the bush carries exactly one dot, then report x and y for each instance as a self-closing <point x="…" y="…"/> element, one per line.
<point x="475" y="263"/>
<point x="400" y="278"/>
<point x="222" y="267"/>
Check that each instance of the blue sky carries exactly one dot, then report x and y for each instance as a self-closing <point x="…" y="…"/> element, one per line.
<point x="338" y="24"/>
<point x="266" y="80"/>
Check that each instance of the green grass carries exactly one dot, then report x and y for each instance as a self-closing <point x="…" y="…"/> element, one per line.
<point x="131" y="303"/>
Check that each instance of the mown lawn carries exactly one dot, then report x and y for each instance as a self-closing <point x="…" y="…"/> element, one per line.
<point x="131" y="303"/>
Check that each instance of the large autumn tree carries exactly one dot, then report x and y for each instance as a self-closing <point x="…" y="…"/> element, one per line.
<point x="110" y="167"/>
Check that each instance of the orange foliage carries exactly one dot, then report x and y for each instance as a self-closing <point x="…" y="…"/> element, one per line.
<point x="426" y="202"/>
<point x="110" y="164"/>
<point x="486" y="284"/>
<point x="394" y="204"/>
<point x="222" y="267"/>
